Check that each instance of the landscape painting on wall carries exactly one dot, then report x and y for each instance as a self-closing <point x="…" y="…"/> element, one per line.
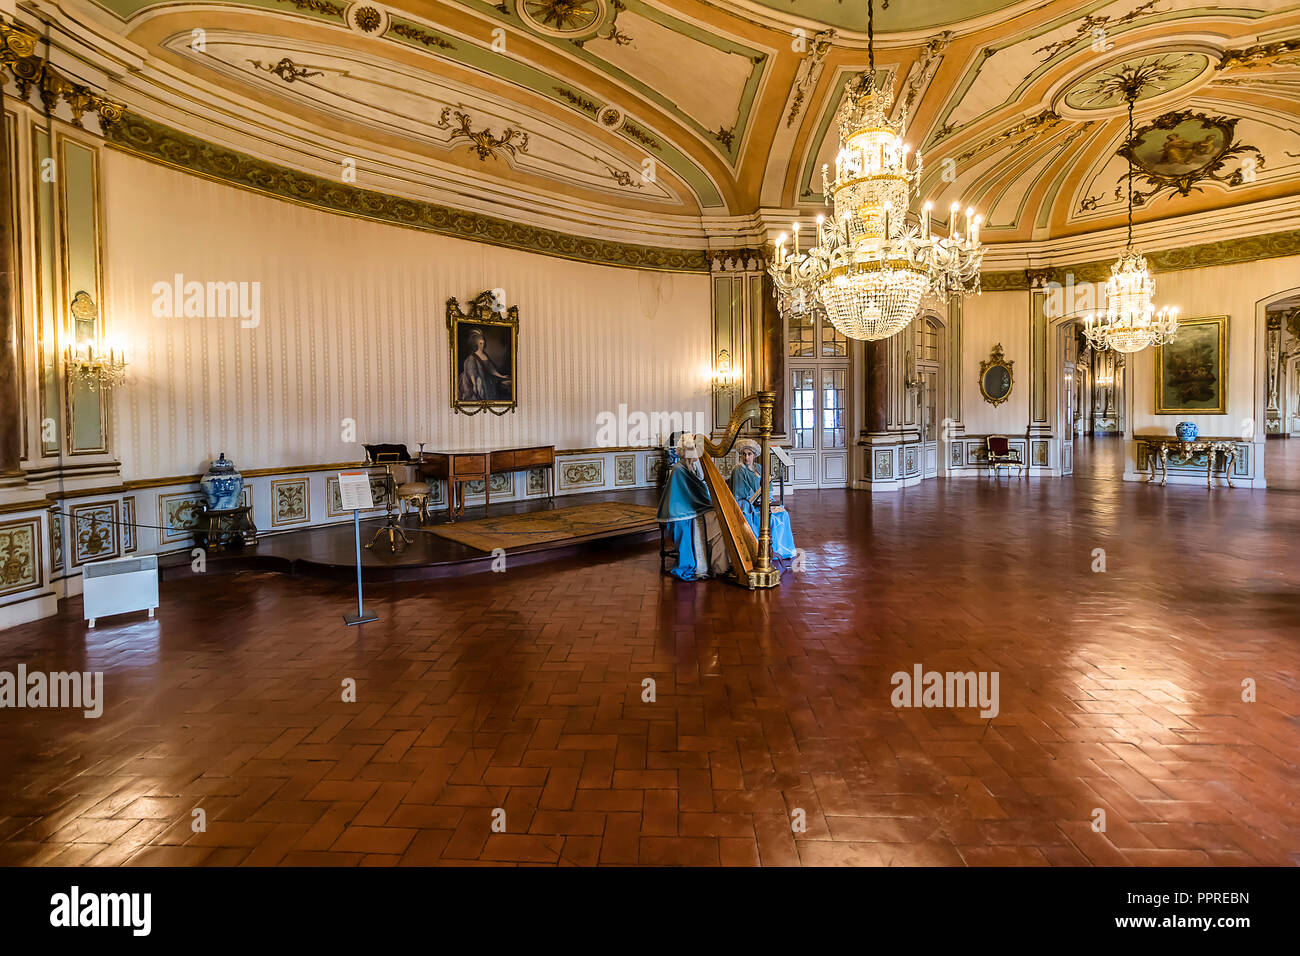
<point x="1192" y="370"/>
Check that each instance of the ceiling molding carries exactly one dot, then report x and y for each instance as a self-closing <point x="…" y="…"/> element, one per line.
<point x="1208" y="255"/>
<point x="162" y="144"/>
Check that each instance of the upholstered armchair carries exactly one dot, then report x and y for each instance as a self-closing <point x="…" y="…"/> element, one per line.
<point x="1002" y="455"/>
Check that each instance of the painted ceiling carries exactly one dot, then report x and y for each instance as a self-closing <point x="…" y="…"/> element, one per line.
<point x="683" y="110"/>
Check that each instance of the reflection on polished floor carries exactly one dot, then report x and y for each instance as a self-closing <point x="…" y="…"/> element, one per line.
<point x="1282" y="464"/>
<point x="1119" y="690"/>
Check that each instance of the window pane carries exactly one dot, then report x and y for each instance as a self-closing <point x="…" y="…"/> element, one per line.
<point x="800" y="335"/>
<point x="834" y="342"/>
<point x="833" y="411"/>
<point x="930" y="398"/>
<point x="803" y="394"/>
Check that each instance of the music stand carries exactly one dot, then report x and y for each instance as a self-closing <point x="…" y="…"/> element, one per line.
<point x="392" y="526"/>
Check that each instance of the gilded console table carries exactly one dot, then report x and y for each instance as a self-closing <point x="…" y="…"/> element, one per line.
<point x="1182" y="452"/>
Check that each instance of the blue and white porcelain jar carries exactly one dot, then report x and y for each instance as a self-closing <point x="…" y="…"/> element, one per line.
<point x="1186" y="431"/>
<point x="222" y="484"/>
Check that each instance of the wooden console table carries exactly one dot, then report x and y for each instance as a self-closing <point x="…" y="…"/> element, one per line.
<point x="1170" y="446"/>
<point x="460" y="465"/>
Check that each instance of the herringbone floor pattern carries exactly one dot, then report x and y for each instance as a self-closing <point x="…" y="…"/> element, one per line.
<point x="1120" y="691"/>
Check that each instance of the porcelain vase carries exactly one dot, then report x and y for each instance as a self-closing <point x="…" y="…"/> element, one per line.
<point x="222" y="484"/>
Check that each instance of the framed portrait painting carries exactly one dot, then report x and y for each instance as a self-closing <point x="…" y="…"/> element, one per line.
<point x="484" y="354"/>
<point x="1192" y="370"/>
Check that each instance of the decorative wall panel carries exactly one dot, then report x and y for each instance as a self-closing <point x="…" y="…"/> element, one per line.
<point x="884" y="464"/>
<point x="625" y="470"/>
<point x="95" y="532"/>
<point x="290" y="502"/>
<point x="56" y="541"/>
<point x="584" y="472"/>
<point x="130" y="539"/>
<point x="178" y="516"/>
<point x="20" y="555"/>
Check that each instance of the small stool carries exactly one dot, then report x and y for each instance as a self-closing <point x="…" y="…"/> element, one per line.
<point x="416" y="492"/>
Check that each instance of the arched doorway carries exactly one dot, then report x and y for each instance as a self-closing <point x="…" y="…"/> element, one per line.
<point x="1280" y="385"/>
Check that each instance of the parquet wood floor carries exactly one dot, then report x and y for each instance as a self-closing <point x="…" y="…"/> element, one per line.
<point x="1119" y="691"/>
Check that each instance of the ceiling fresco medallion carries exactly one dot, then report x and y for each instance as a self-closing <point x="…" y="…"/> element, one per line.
<point x="569" y="19"/>
<point x="367" y="18"/>
<point x="1155" y="74"/>
<point x="1182" y="149"/>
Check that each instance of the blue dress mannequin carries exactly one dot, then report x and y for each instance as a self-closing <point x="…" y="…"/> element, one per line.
<point x="744" y="482"/>
<point x="682" y="507"/>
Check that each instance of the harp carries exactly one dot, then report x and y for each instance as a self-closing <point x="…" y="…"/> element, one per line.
<point x="751" y="558"/>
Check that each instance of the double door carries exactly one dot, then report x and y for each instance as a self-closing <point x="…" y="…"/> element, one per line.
<point x="819" y="425"/>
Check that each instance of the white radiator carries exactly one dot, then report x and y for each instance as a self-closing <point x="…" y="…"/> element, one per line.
<point x="116" y="587"/>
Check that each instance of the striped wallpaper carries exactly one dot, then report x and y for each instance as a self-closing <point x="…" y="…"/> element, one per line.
<point x="352" y="326"/>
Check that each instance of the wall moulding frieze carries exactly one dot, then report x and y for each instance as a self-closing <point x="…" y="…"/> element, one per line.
<point x="160" y="143"/>
<point x="1206" y="255"/>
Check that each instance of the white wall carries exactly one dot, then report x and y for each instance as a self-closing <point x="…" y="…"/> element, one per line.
<point x="1224" y="290"/>
<point x="1232" y="290"/>
<point x="990" y="319"/>
<point x="353" y="326"/>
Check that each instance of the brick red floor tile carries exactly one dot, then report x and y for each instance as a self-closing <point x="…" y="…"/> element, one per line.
<point x="1119" y="692"/>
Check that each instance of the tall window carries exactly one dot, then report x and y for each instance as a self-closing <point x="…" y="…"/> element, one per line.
<point x="803" y="393"/>
<point x="834" y="389"/>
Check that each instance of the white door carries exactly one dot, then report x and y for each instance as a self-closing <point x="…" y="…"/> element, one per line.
<point x="927" y="369"/>
<point x="929" y="417"/>
<point x="818" y="378"/>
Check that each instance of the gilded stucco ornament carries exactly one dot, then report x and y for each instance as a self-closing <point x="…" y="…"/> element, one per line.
<point x="19" y="60"/>
<point x="482" y="141"/>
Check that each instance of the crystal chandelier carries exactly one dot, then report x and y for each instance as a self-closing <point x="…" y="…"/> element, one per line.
<point x="871" y="263"/>
<point x="1131" y="321"/>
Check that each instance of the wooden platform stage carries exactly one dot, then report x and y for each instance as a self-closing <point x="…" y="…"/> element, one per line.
<point x="329" y="551"/>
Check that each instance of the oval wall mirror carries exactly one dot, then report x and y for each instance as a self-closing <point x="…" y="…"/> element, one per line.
<point x="996" y="377"/>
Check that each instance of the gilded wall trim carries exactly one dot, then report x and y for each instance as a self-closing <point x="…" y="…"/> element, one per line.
<point x="1227" y="252"/>
<point x="18" y="56"/>
<point x="160" y="143"/>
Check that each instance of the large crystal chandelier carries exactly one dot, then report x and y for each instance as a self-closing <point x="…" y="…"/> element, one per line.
<point x="1131" y="321"/>
<point x="872" y="263"/>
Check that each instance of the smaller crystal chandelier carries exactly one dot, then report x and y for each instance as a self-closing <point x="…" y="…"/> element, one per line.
<point x="871" y="264"/>
<point x="1131" y="321"/>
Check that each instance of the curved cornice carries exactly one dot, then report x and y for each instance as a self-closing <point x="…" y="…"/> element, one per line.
<point x="154" y="141"/>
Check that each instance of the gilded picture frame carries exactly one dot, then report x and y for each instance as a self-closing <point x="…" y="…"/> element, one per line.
<point x="1191" y="371"/>
<point x="996" y="379"/>
<point x="483" y="345"/>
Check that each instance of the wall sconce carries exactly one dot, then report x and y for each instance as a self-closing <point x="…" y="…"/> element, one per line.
<point x="725" y="378"/>
<point x="911" y="380"/>
<point x="87" y="361"/>
<point x="103" y="369"/>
